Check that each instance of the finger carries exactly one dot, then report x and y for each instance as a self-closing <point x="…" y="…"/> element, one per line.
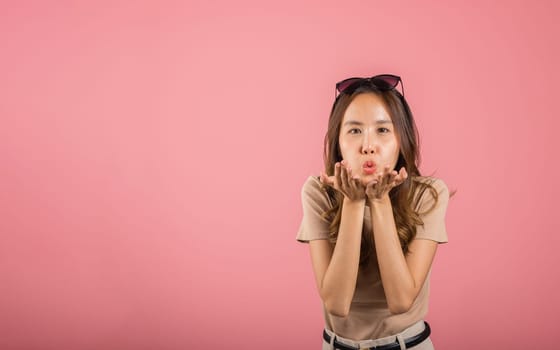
<point x="378" y="180"/>
<point x="398" y="180"/>
<point x="369" y="188"/>
<point x="383" y="184"/>
<point x="353" y="180"/>
<point x="402" y="176"/>
<point x="350" y="178"/>
<point x="337" y="175"/>
<point x="357" y="182"/>
<point x="392" y="176"/>
<point x="386" y="172"/>
<point x="327" y="180"/>
<point x="371" y="185"/>
<point x="344" y="174"/>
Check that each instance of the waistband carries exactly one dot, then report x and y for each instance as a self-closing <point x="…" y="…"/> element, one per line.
<point x="416" y="333"/>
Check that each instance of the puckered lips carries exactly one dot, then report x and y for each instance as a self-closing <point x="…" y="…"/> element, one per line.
<point x="369" y="167"/>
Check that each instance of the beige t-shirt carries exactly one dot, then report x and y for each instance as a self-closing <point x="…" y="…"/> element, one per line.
<point x="369" y="316"/>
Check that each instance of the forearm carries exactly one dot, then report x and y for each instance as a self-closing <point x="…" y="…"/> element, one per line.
<point x="397" y="280"/>
<point x="339" y="282"/>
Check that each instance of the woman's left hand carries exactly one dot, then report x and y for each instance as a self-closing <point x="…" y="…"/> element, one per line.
<point x="378" y="188"/>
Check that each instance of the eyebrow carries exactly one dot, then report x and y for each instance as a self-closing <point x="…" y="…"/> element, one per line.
<point x="379" y="121"/>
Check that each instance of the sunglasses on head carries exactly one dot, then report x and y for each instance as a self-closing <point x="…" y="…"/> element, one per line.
<point x="383" y="82"/>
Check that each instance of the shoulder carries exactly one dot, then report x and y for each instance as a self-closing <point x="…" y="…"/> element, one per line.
<point x="315" y="202"/>
<point x="429" y="192"/>
<point x="431" y="198"/>
<point x="314" y="191"/>
<point x="312" y="185"/>
<point x="434" y="182"/>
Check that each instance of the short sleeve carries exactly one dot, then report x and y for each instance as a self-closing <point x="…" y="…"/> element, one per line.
<point x="315" y="202"/>
<point x="434" y="221"/>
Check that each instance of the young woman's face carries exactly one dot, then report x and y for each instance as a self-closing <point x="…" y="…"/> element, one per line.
<point x="367" y="135"/>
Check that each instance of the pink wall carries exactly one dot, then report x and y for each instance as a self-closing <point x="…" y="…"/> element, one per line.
<point x="153" y="154"/>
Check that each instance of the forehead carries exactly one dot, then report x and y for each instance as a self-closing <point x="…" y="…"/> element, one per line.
<point x="366" y="107"/>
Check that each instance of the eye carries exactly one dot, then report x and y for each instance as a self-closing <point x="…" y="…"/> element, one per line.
<point x="354" y="131"/>
<point x="383" y="130"/>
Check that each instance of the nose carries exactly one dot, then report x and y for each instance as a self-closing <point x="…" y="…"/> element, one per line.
<point x="368" y="146"/>
<point x="368" y="149"/>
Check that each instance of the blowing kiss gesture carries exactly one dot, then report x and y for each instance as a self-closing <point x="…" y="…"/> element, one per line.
<point x="352" y="186"/>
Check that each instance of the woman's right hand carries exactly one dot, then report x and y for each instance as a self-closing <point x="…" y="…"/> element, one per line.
<point x="344" y="182"/>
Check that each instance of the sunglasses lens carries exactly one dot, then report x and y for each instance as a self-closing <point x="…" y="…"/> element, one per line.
<point x="385" y="81"/>
<point x="382" y="82"/>
<point x="343" y="85"/>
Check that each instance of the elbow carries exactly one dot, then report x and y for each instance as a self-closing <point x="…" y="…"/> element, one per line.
<point x="400" y="307"/>
<point x="338" y="309"/>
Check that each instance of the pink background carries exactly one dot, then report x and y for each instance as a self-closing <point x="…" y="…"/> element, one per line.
<point x="153" y="155"/>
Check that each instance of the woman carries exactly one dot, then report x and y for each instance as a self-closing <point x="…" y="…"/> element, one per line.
<point x="373" y="223"/>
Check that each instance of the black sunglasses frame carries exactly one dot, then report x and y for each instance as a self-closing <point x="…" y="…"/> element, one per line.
<point x="383" y="82"/>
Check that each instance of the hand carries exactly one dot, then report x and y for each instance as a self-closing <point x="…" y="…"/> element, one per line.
<point x="378" y="188"/>
<point x="344" y="182"/>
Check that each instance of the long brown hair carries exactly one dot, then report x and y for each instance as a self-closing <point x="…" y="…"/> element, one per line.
<point x="406" y="196"/>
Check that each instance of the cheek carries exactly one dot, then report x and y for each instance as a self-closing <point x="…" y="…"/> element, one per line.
<point x="397" y="155"/>
<point x="348" y="153"/>
<point x="397" y="151"/>
<point x="394" y="152"/>
<point x="343" y="147"/>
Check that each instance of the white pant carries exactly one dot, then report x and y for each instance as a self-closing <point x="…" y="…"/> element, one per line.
<point x="400" y="337"/>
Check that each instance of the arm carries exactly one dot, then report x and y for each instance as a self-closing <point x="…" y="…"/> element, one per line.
<point x="402" y="277"/>
<point x="336" y="269"/>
